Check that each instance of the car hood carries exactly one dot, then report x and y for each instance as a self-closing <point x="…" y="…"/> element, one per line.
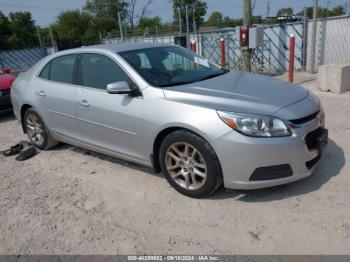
<point x="239" y="92"/>
<point x="6" y="81"/>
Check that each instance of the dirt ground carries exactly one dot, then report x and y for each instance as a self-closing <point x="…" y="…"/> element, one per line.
<point x="72" y="201"/>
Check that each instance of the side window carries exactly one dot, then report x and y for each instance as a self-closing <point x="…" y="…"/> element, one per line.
<point x="45" y="73"/>
<point x="62" y="69"/>
<point x="98" y="71"/>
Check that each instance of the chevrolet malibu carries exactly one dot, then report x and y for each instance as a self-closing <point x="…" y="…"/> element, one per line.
<point x="165" y="107"/>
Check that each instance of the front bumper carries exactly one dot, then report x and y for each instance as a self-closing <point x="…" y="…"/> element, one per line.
<point x="240" y="156"/>
<point x="5" y="101"/>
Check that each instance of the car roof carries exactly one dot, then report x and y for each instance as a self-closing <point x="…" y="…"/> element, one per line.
<point x="125" y="46"/>
<point x="115" y="48"/>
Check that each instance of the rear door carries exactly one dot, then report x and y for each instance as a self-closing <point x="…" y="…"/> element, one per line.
<point x="56" y="95"/>
<point x="112" y="122"/>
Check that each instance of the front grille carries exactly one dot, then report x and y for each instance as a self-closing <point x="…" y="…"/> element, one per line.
<point x="304" y="120"/>
<point x="311" y="138"/>
<point x="310" y="164"/>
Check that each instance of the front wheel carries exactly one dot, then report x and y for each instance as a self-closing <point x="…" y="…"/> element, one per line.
<point x="190" y="164"/>
<point x="36" y="130"/>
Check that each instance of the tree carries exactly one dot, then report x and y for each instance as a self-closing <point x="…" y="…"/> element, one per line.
<point x="324" y="12"/>
<point x="23" y="31"/>
<point x="256" y="20"/>
<point x="132" y="16"/>
<point x="215" y="19"/>
<point x="5" y="31"/>
<point x="199" y="7"/>
<point x="338" y="11"/>
<point x="285" y="11"/>
<point x="104" y="14"/>
<point x="145" y="24"/>
<point x="70" y="28"/>
<point x="45" y="36"/>
<point x="229" y="22"/>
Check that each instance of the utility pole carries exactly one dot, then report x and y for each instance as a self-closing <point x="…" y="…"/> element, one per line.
<point x="52" y="40"/>
<point x="187" y="29"/>
<point x="39" y="37"/>
<point x="305" y="37"/>
<point x="100" y="35"/>
<point x="180" y="20"/>
<point x="187" y="22"/>
<point x="314" y="35"/>
<point x="247" y="22"/>
<point x="268" y="12"/>
<point x="120" y="27"/>
<point x="125" y="33"/>
<point x="346" y="8"/>
<point x="194" y="20"/>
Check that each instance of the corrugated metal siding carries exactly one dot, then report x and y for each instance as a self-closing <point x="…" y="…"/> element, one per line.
<point x="22" y="59"/>
<point x="333" y="41"/>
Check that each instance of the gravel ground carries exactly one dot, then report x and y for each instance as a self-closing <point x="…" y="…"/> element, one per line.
<point x="72" y="201"/>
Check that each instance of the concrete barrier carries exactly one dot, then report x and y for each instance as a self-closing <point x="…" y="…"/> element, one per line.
<point x="334" y="77"/>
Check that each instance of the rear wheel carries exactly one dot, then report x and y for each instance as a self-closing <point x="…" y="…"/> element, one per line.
<point x="190" y="164"/>
<point x="36" y="130"/>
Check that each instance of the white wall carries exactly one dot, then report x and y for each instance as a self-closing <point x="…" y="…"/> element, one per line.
<point x="333" y="41"/>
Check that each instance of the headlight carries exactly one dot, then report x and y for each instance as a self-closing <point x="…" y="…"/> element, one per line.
<point x="256" y="125"/>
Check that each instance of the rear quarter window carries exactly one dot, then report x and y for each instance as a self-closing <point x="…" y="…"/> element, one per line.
<point x="60" y="69"/>
<point x="45" y="73"/>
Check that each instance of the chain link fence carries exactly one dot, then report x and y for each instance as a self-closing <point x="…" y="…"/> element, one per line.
<point x="272" y="57"/>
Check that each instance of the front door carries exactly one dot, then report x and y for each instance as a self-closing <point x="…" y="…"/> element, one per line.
<point x="108" y="121"/>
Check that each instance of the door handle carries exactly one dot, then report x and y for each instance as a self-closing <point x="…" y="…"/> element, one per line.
<point x="84" y="103"/>
<point x="41" y="93"/>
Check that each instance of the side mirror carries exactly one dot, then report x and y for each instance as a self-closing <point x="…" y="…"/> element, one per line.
<point x="123" y="88"/>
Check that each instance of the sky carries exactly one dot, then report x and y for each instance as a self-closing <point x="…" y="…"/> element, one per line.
<point x="45" y="11"/>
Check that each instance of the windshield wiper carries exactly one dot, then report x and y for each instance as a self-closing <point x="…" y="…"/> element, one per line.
<point x="214" y="75"/>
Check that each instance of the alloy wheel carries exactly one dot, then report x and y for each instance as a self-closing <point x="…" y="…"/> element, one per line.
<point x="35" y="129"/>
<point x="186" y="165"/>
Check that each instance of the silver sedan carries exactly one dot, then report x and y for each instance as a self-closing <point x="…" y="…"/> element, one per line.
<point x="165" y="107"/>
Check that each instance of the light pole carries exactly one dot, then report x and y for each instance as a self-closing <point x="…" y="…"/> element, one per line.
<point x="314" y="35"/>
<point x="268" y="12"/>
<point x="187" y="22"/>
<point x="120" y="27"/>
<point x="180" y="20"/>
<point x="53" y="43"/>
<point x="194" y="20"/>
<point x="39" y="37"/>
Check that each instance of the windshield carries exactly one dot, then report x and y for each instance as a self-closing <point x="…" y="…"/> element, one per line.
<point x="171" y="66"/>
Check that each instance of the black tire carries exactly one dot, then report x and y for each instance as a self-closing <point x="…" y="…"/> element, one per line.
<point x="48" y="141"/>
<point x="214" y="174"/>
